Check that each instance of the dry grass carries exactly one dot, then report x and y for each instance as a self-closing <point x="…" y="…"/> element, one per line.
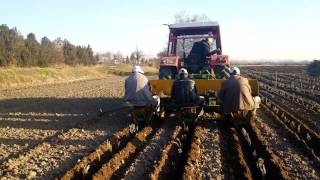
<point x="21" y="77"/>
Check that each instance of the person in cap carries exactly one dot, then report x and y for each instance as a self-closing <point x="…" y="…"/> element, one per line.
<point x="199" y="53"/>
<point x="137" y="90"/>
<point x="184" y="92"/>
<point x="238" y="105"/>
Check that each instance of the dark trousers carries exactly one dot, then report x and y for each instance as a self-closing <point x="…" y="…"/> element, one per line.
<point x="240" y="119"/>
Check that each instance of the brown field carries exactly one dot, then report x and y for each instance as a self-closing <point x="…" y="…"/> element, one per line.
<point x="55" y="131"/>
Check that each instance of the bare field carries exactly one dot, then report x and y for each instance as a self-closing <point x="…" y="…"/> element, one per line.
<point x="45" y="129"/>
<point x="53" y="131"/>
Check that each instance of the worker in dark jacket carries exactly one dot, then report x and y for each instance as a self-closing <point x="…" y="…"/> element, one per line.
<point x="184" y="92"/>
<point x="199" y="53"/>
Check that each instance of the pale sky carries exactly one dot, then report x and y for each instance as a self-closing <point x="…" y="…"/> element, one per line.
<point x="250" y="29"/>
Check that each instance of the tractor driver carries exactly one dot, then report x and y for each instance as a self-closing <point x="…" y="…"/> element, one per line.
<point x="199" y="53"/>
<point x="237" y="102"/>
<point x="137" y="90"/>
<point x="184" y="92"/>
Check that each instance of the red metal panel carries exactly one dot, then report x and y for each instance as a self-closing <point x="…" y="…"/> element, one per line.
<point x="218" y="60"/>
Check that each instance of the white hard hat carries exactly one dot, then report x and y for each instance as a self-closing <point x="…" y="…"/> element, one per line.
<point x="183" y="71"/>
<point x="137" y="69"/>
<point x="235" y="71"/>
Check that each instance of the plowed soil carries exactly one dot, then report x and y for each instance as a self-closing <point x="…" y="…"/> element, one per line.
<point x="44" y="130"/>
<point x="47" y="131"/>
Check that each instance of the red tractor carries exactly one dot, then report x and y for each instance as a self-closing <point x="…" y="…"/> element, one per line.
<point x="182" y="36"/>
<point x="208" y="75"/>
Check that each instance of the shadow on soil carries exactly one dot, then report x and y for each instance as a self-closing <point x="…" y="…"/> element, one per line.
<point x="54" y="114"/>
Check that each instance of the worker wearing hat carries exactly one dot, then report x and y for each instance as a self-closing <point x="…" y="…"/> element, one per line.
<point x="137" y="90"/>
<point x="183" y="90"/>
<point x="199" y="53"/>
<point x="235" y="96"/>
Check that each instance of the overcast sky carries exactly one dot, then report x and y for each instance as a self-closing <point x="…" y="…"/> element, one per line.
<point x="250" y="29"/>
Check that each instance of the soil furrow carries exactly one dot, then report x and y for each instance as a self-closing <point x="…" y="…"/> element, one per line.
<point x="293" y="157"/>
<point x="120" y="158"/>
<point x="93" y="161"/>
<point x="145" y="160"/>
<point x="205" y="156"/>
<point x="46" y="129"/>
<point x="167" y="166"/>
<point x="53" y="130"/>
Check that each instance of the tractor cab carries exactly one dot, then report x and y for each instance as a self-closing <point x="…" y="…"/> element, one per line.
<point x="182" y="37"/>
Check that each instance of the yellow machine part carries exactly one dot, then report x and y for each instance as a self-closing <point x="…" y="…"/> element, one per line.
<point x="163" y="87"/>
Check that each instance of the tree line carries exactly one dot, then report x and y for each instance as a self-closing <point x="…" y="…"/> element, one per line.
<point x="15" y="50"/>
<point x="137" y="57"/>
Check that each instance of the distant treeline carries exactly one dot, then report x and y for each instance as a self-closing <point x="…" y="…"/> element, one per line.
<point x="17" y="51"/>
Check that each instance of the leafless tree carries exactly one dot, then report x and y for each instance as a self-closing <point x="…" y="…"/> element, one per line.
<point x="184" y="17"/>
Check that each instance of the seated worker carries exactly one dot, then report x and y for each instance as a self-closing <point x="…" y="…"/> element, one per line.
<point x="237" y="102"/>
<point x="199" y="53"/>
<point x="137" y="90"/>
<point x="183" y="91"/>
